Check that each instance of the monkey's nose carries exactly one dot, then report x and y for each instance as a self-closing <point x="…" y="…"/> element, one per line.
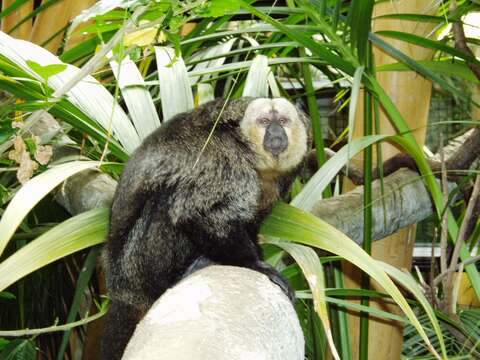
<point x="275" y="140"/>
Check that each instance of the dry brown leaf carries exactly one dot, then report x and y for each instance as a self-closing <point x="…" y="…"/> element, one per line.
<point x="21" y="156"/>
<point x="27" y="168"/>
<point x="19" y="148"/>
<point x="43" y="154"/>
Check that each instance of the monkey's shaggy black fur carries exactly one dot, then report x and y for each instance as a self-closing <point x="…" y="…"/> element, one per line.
<point x="170" y="210"/>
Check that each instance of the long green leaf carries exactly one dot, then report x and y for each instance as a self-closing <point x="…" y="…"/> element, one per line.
<point x="318" y="49"/>
<point x="360" y="19"/>
<point x="314" y="117"/>
<point x="453" y="68"/>
<point x="32" y="192"/>
<point x="427" y="43"/>
<point x="77" y="233"/>
<point x="293" y="224"/>
<point x="408" y="282"/>
<point x="138" y="99"/>
<point x="312" y="269"/>
<point x="253" y="29"/>
<point x="256" y="84"/>
<point x="245" y="65"/>
<point x="175" y="89"/>
<point x="312" y="191"/>
<point x="88" y="268"/>
<point x="10" y="9"/>
<point x="413" y="17"/>
<point x="408" y="142"/>
<point x="414" y="65"/>
<point x="352" y="110"/>
<point x="43" y="6"/>
<point x="413" y="149"/>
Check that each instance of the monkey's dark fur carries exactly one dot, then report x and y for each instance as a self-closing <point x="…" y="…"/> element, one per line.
<point x="170" y="210"/>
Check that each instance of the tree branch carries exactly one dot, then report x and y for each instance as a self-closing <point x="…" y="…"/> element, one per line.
<point x="461" y="157"/>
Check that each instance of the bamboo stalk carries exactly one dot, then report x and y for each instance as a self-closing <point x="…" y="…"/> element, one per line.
<point x="411" y="94"/>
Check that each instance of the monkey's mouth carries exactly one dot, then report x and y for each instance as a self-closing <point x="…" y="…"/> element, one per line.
<point x="275" y="145"/>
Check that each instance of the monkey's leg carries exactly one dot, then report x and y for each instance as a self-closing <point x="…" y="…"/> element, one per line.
<point x="199" y="263"/>
<point x="121" y="321"/>
<point x="242" y="251"/>
<point x="277" y="278"/>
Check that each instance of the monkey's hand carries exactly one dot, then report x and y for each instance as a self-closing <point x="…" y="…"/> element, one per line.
<point x="263" y="267"/>
<point x="277" y="278"/>
<point x="199" y="263"/>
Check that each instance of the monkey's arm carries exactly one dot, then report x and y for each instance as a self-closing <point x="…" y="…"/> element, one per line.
<point x="133" y="189"/>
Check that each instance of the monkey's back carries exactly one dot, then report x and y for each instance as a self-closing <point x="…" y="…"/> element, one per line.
<point x="175" y="199"/>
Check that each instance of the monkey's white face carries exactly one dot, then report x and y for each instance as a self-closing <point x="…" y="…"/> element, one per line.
<point x="276" y="133"/>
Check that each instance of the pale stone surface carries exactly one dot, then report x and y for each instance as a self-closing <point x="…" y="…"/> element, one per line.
<point x="220" y="312"/>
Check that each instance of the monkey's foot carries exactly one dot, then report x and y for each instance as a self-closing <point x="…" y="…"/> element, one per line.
<point x="199" y="263"/>
<point x="277" y="278"/>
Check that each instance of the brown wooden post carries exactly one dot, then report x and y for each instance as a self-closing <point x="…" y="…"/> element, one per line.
<point x="9" y="21"/>
<point x="53" y="19"/>
<point x="411" y="94"/>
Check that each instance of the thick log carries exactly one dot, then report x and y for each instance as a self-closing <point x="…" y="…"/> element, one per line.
<point x="405" y="201"/>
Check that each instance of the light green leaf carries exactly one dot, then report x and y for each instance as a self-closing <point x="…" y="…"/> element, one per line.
<point x="214" y="53"/>
<point x="77" y="233"/>
<point x="290" y="223"/>
<point x="32" y="192"/>
<point x="272" y="84"/>
<point x="205" y="93"/>
<point x="88" y="94"/>
<point x="352" y="110"/>
<point x="408" y="282"/>
<point x="219" y="8"/>
<point x="48" y="70"/>
<point x="312" y="269"/>
<point x="256" y="84"/>
<point x="139" y="101"/>
<point x="312" y="191"/>
<point x="175" y="89"/>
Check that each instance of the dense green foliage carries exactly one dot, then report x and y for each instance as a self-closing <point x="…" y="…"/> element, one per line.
<point x="140" y="66"/>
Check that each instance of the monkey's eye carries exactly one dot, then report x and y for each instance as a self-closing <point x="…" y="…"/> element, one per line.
<point x="283" y="121"/>
<point x="263" y="121"/>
